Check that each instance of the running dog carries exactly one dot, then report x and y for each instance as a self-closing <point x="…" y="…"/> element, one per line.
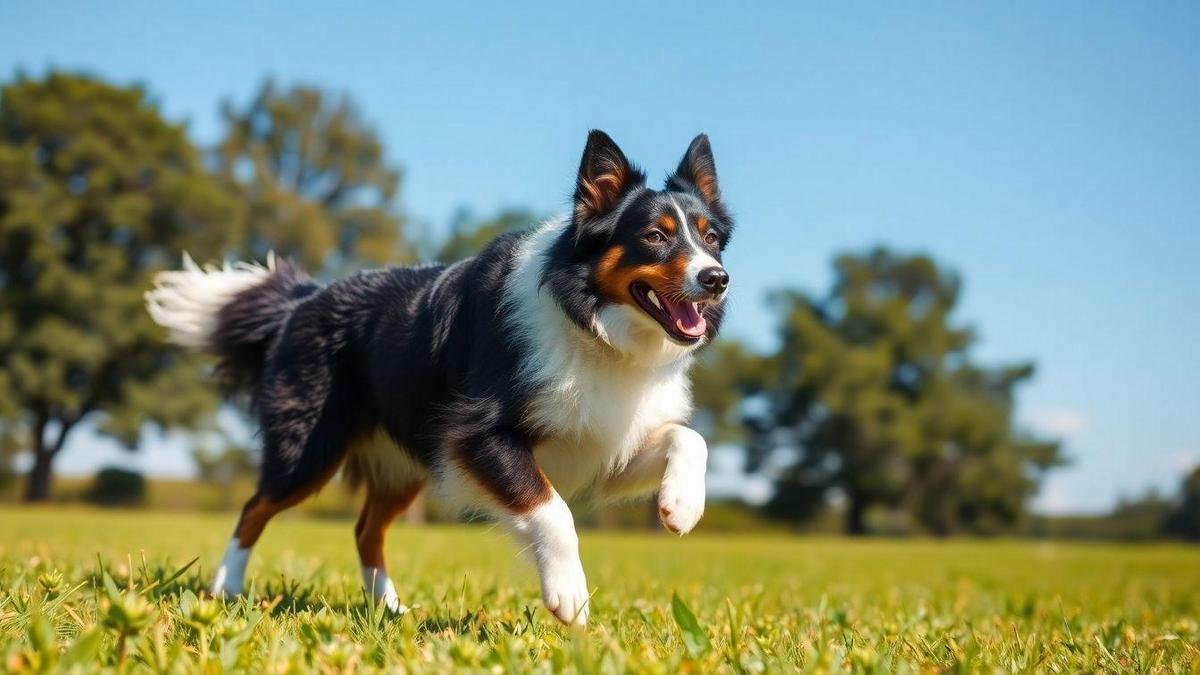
<point x="552" y="366"/>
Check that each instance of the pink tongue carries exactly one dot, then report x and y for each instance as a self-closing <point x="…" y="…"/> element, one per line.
<point x="687" y="320"/>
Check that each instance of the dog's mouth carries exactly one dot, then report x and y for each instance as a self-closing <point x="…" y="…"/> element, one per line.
<point x="682" y="319"/>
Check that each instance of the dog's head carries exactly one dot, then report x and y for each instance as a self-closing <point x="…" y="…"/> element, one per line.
<point x="642" y="267"/>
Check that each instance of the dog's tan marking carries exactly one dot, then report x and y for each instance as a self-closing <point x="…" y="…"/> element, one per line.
<point x="379" y="510"/>
<point x="614" y="279"/>
<point x="599" y="191"/>
<point x="260" y="509"/>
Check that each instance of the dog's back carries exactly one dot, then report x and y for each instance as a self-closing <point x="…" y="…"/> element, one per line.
<point x="320" y="363"/>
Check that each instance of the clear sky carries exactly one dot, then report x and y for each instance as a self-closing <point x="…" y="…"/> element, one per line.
<point x="1048" y="151"/>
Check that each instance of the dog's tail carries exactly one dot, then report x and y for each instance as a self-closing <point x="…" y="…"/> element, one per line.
<point x="234" y="312"/>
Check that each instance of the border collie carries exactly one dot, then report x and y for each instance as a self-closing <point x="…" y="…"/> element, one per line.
<point x="552" y="366"/>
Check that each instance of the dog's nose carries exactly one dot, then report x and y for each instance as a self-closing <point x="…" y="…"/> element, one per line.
<point x="714" y="279"/>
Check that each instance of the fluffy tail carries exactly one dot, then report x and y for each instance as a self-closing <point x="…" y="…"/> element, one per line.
<point x="234" y="312"/>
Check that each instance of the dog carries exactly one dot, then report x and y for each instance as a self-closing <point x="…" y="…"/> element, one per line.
<point x="551" y="366"/>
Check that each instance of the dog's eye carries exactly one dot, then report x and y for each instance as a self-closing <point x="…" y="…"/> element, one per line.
<point x="711" y="238"/>
<point x="655" y="237"/>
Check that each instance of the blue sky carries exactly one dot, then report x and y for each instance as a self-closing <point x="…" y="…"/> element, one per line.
<point x="1048" y="151"/>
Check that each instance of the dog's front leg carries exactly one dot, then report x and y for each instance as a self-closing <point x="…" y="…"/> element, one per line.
<point x="673" y="460"/>
<point x="681" y="497"/>
<point x="548" y="531"/>
<point x="523" y="499"/>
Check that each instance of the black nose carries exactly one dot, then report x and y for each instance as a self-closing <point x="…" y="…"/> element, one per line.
<point x="714" y="279"/>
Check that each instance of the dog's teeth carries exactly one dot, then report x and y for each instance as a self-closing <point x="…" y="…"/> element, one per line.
<point x="654" y="299"/>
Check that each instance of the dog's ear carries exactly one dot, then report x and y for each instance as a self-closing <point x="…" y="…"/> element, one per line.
<point x="697" y="172"/>
<point x="604" y="177"/>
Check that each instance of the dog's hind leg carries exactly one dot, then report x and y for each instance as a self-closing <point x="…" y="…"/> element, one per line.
<point x="283" y="485"/>
<point x="257" y="512"/>
<point x="308" y="413"/>
<point x="379" y="510"/>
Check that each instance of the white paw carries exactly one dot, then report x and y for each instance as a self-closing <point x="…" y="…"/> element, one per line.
<point x="231" y="573"/>
<point x="565" y="592"/>
<point x="549" y="532"/>
<point x="681" y="503"/>
<point x="392" y="603"/>
<point x="381" y="588"/>
<point x="222" y="587"/>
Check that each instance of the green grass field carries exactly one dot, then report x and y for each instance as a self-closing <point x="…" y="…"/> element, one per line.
<point x="760" y="603"/>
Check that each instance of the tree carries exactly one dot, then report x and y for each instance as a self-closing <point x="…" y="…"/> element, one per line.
<point x="1184" y="520"/>
<point x="97" y="192"/>
<point x="727" y="378"/>
<point x="974" y="470"/>
<point x="314" y="181"/>
<point x="875" y="391"/>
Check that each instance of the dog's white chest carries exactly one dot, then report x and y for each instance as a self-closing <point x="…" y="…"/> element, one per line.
<point x="595" y="404"/>
<point x="596" y="419"/>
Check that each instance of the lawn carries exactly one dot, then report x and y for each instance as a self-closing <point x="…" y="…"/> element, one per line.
<point x="760" y="602"/>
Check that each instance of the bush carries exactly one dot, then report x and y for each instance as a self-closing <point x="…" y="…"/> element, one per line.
<point x="115" y="486"/>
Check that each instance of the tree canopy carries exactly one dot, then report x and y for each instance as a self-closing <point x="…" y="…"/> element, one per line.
<point x="314" y="181"/>
<point x="97" y="192"/>
<point x="873" y="394"/>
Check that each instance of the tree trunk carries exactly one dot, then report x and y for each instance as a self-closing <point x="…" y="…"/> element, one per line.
<point x="37" y="485"/>
<point x="856" y="511"/>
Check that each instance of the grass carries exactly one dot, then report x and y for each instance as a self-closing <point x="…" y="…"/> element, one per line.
<point x="94" y="590"/>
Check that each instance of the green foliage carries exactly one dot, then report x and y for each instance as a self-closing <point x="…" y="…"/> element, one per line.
<point x="97" y="192"/>
<point x="1141" y="519"/>
<point x="660" y="604"/>
<point x="468" y="234"/>
<point x="694" y="638"/>
<point x="1184" y="520"/>
<point x="874" y="391"/>
<point x="114" y="486"/>
<point x="313" y="179"/>
<point x="724" y="377"/>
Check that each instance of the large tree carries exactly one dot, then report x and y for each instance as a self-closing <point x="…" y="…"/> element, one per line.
<point x="97" y="192"/>
<point x="314" y="179"/>
<point x="875" y="392"/>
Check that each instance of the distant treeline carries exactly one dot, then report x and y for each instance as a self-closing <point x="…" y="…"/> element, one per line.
<point x="870" y="408"/>
<point x="1152" y="516"/>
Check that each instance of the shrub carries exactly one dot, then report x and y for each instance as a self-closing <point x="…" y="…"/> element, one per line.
<point x="114" y="486"/>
